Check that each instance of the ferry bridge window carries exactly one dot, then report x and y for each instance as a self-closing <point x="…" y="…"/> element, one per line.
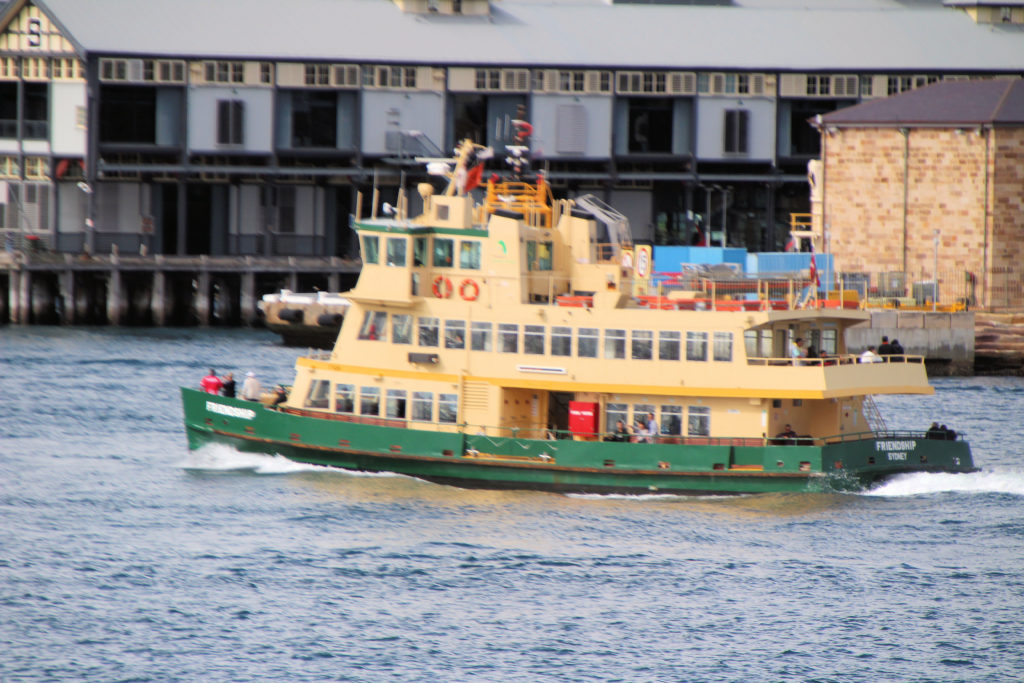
<point x="395" y="405"/>
<point x="447" y="408"/>
<point x="374" y="326"/>
<point x="319" y="394"/>
<point x="538" y="255"/>
<point x="696" y="346"/>
<point x="586" y="342"/>
<point x="828" y="343"/>
<point x="561" y="341"/>
<point x="642" y="345"/>
<point x="699" y="421"/>
<point x="668" y="345"/>
<point x="533" y="339"/>
<point x="614" y="343"/>
<point x="428" y="331"/>
<point x="369" y="401"/>
<point x="401" y="328"/>
<point x="396" y="251"/>
<point x="419" y="251"/>
<point x="672" y="420"/>
<point x="723" y="346"/>
<point x="613" y="412"/>
<point x="371" y="249"/>
<point x="423" y="406"/>
<point x="454" y="334"/>
<point x="344" y="398"/>
<point x="482" y="334"/>
<point x="469" y="255"/>
<point x="508" y="338"/>
<point x="443" y="251"/>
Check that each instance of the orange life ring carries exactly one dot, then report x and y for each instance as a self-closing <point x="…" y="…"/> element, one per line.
<point x="472" y="286"/>
<point x="442" y="287"/>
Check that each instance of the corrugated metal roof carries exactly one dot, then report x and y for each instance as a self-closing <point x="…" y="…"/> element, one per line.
<point x="949" y="102"/>
<point x="835" y="36"/>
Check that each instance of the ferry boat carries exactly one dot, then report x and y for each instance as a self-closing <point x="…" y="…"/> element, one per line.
<point x="515" y="343"/>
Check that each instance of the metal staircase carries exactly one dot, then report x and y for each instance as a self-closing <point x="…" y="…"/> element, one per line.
<point x="873" y="417"/>
<point x="617" y="224"/>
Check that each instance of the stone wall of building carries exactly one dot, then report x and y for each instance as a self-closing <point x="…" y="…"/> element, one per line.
<point x="887" y="191"/>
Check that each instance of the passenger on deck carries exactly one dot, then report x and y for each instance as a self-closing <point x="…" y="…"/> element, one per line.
<point x="935" y="432"/>
<point x="228" y="386"/>
<point x="897" y="348"/>
<point x="812" y="352"/>
<point x="885" y="348"/>
<point x="211" y="384"/>
<point x="796" y="350"/>
<point x="620" y="433"/>
<point x="281" y="395"/>
<point x="251" y="388"/>
<point x="869" y="356"/>
<point x="787" y="433"/>
<point x="652" y="428"/>
<point x="947" y="433"/>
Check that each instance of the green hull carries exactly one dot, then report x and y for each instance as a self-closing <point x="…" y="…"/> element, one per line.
<point x="476" y="461"/>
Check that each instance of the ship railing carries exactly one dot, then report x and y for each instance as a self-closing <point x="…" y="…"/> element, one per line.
<point x="827" y="361"/>
<point x="895" y="435"/>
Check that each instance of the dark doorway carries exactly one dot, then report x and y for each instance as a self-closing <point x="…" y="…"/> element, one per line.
<point x="650" y="125"/>
<point x="168" y="213"/>
<point x="558" y="411"/>
<point x="199" y="207"/>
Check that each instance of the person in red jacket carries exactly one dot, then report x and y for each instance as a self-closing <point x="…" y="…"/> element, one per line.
<point x="211" y="384"/>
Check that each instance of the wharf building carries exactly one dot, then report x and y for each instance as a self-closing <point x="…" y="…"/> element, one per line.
<point x="242" y="132"/>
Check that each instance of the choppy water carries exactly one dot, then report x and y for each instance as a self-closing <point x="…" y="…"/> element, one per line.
<point x="125" y="558"/>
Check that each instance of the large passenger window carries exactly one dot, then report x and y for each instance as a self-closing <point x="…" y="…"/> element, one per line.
<point x="699" y="423"/>
<point x="696" y="346"/>
<point x="401" y="328"/>
<point x="586" y="342"/>
<point x="396" y="251"/>
<point x="344" y="398"/>
<point x="614" y="343"/>
<point x="369" y="401"/>
<point x="396" y="403"/>
<point x="561" y="341"/>
<point x="447" y="408"/>
<point x="533" y="339"/>
<point x="723" y="346"/>
<point x="319" y="394"/>
<point x="454" y="334"/>
<point x="482" y="336"/>
<point x="374" y="326"/>
<point x="423" y="406"/>
<point x="444" y="249"/>
<point x="508" y="338"/>
<point x="428" y="331"/>
<point x="642" y="345"/>
<point x="469" y="255"/>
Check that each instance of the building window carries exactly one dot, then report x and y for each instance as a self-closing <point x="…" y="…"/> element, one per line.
<point x="230" y="122"/>
<point x="533" y="339"/>
<point x="286" y="209"/>
<point x="696" y="346"/>
<point x="614" y="343"/>
<point x="428" y="331"/>
<point x="586" y="342"/>
<point x="447" y="408"/>
<point x="423" y="406"/>
<point x="699" y="422"/>
<point x="455" y="334"/>
<point x="482" y="334"/>
<point x="561" y="341"/>
<point x="736" y="123"/>
<point x="344" y="398"/>
<point x="508" y="338"/>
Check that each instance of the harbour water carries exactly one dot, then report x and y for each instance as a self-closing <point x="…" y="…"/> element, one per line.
<point x="123" y="557"/>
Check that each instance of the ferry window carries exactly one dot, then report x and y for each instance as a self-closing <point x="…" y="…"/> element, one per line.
<point x="586" y="342"/>
<point x="419" y="251"/>
<point x="696" y="346"/>
<point x="454" y="334"/>
<point x="538" y="255"/>
<point x="371" y="248"/>
<point x="344" y="398"/>
<point x="401" y="328"/>
<point x="672" y="420"/>
<point x="508" y="338"/>
<point x="319" y="394"/>
<point x="828" y="343"/>
<point x="415" y="288"/>
<point x="642" y="345"/>
<point x="423" y="406"/>
<point x="369" y="401"/>
<point x="374" y="325"/>
<point x="395" y="406"/>
<point x="750" y="342"/>
<point x="482" y="336"/>
<point x="640" y="411"/>
<point x="533" y="339"/>
<point x="668" y="345"/>
<point x="723" y="346"/>
<point x="614" y="343"/>
<point x="428" y="331"/>
<point x="443" y="250"/>
<point x="613" y="412"/>
<point x="469" y="255"/>
<point x="396" y="251"/>
<point x="561" y="341"/>
<point x="699" y="422"/>
<point x="447" y="408"/>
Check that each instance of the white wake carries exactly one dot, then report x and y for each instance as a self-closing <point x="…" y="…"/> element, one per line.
<point x="924" y="483"/>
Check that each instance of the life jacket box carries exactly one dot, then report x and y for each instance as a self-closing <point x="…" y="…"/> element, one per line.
<point x="583" y="419"/>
